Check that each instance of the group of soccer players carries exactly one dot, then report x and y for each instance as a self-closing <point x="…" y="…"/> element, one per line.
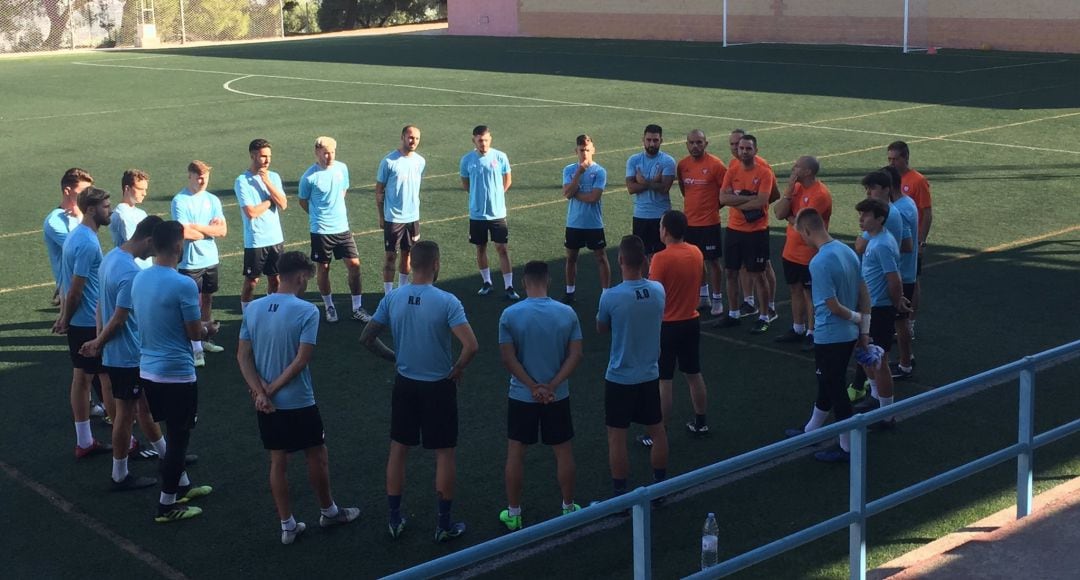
<point x="140" y="327"/>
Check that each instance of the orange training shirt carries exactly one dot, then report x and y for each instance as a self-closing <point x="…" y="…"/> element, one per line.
<point x="757" y="181"/>
<point x="818" y="197"/>
<point x="701" y="181"/>
<point x="678" y="269"/>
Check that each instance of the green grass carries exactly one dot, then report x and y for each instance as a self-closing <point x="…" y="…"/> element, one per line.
<point x="1000" y="147"/>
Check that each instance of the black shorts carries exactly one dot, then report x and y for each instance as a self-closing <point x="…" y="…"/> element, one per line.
<point x="400" y="236"/>
<point x="552" y="421"/>
<point x="205" y="278"/>
<point x="427" y="408"/>
<point x="909" y="293"/>
<point x="176" y="403"/>
<point x="76" y="336"/>
<point x="291" y="429"/>
<point x="625" y="404"/>
<point x="680" y="340"/>
<point x="882" y="326"/>
<point x="649" y="232"/>
<point x="707" y="239"/>
<point x="479" y="230"/>
<point x="796" y="273"/>
<point x="577" y="238"/>
<point x="259" y="261"/>
<point x="126" y="384"/>
<point x="746" y="249"/>
<point x="327" y="247"/>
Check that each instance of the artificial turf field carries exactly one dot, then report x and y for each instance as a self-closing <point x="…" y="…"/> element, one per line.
<point x="997" y="134"/>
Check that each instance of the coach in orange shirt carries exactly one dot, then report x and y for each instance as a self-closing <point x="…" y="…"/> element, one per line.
<point x="748" y="305"/>
<point x="678" y="269"/>
<point x="700" y="177"/>
<point x="746" y="191"/>
<point x="803" y="190"/>
<point x="914" y="185"/>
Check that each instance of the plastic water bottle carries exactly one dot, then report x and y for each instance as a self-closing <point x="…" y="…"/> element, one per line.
<point x="710" y="540"/>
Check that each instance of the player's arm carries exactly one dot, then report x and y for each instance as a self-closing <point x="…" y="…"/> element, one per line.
<point x="276" y="195"/>
<point x="861" y="241"/>
<point x="380" y="200"/>
<point x="469" y="347"/>
<point x="602" y="327"/>
<point x="245" y="358"/>
<point x="633" y="186"/>
<point x="92" y="348"/>
<point x="217" y="228"/>
<point x="574" y="355"/>
<point x="783" y="207"/>
<point x="507" y="182"/>
<point x="907" y="245"/>
<point x="774" y="194"/>
<point x="573" y="187"/>
<point x="71" y="303"/>
<point x="369" y="337"/>
<point x="304" y="194"/>
<point x="199" y="330"/>
<point x="925" y="220"/>
<point x="896" y="292"/>
<point x="465" y="183"/>
<point x="590" y="197"/>
<point x="298" y="364"/>
<point x="254" y="211"/>
<point x="662" y="183"/>
<point x="508" y="354"/>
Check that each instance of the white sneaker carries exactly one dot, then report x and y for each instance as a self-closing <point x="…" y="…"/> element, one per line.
<point x="289" y="536"/>
<point x="331" y="314"/>
<point x="209" y="346"/>
<point x="200" y="359"/>
<point x="97" y="410"/>
<point x="344" y="516"/>
<point x="717" y="308"/>
<point x="361" y="315"/>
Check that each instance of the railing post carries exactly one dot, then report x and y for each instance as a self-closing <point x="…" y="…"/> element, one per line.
<point x="1024" y="464"/>
<point x="857" y="504"/>
<point x="642" y="536"/>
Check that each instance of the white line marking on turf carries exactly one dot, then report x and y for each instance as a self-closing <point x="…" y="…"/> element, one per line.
<point x="1019" y="65"/>
<point x="88" y="522"/>
<point x="16" y="234"/>
<point x="27" y="287"/>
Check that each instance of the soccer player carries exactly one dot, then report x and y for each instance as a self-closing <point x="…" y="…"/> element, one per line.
<point x="878" y="185"/>
<point x="277" y="340"/>
<point x="746" y="191"/>
<point x="649" y="175"/>
<point x="261" y="198"/>
<point x="632" y="312"/>
<point x="914" y="185"/>
<point x="322" y="195"/>
<point x="678" y="269"/>
<point x="63" y="219"/>
<point x="200" y="213"/>
<point x="700" y="177"/>
<point x="399" y="175"/>
<point x="909" y="268"/>
<point x="485" y="174"/>
<point x="881" y="272"/>
<point x="167" y="307"/>
<point x="423" y="405"/>
<point x="127" y="214"/>
<point x="80" y="286"/>
<point x="118" y="345"/>
<point x="842" y="311"/>
<point x="583" y="186"/>
<point x="540" y="344"/>
<point x="804" y="190"/>
<point x="746" y="285"/>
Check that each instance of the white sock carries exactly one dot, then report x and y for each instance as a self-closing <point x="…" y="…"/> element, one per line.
<point x="906" y="369"/>
<point x="799" y="328"/>
<point x="159" y="446"/>
<point x="387" y="287"/>
<point x="873" y="389"/>
<point x="133" y="442"/>
<point x="184" y="481"/>
<point x="514" y="511"/>
<point x="328" y="300"/>
<point x="763" y="318"/>
<point x="244" y="305"/>
<point x="567" y="506"/>
<point x="167" y="498"/>
<point x="508" y="280"/>
<point x="845" y="441"/>
<point x="817" y="420"/>
<point x="886" y="401"/>
<point x="83" y="437"/>
<point x="717" y="298"/>
<point x="402" y="279"/>
<point x="356" y="305"/>
<point x="703" y="292"/>
<point x="733" y="313"/>
<point x="196" y="346"/>
<point x="485" y="273"/>
<point x="571" y="288"/>
<point x="330" y="512"/>
<point x="289" y="524"/>
<point x="119" y="469"/>
<point x="749" y="300"/>
<point x="772" y="305"/>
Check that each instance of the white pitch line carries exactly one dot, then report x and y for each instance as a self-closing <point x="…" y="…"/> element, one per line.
<point x="1019" y="65"/>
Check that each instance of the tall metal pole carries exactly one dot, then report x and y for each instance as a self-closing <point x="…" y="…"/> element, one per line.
<point x="183" y="25"/>
<point x="907" y="16"/>
<point x="725" y="23"/>
<point x="281" y="15"/>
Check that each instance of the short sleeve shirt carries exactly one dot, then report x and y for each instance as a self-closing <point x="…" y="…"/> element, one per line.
<point x="324" y="190"/>
<point x="164" y="300"/>
<point x="882" y="257"/>
<point x="909" y="261"/>
<point x="678" y="269"/>
<point x="914" y="185"/>
<point x="401" y="175"/>
<point x="650" y="204"/>
<point x="540" y="330"/>
<point x="420" y="317"/>
<point x="82" y="258"/>
<point x="276" y="325"/>
<point x="487" y="198"/>
<point x="264" y="230"/>
<point x="58" y="224"/>
<point x="197" y="208"/>
<point x="835" y="271"/>
<point x="633" y="311"/>
<point x="579" y="214"/>
<point x="118" y="270"/>
<point x="701" y="181"/>
<point x="816" y="196"/>
<point x="756" y="181"/>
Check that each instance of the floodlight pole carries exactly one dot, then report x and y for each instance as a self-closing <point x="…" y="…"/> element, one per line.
<point x="907" y="16"/>
<point x="725" y="23"/>
<point x="183" y="26"/>
<point x="281" y="16"/>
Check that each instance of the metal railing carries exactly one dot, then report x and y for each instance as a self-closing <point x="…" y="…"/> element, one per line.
<point x="639" y="500"/>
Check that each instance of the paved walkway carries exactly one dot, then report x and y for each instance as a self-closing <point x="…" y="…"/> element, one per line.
<point x="1044" y="545"/>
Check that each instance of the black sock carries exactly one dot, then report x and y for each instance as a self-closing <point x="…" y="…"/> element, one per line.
<point x="444" y="513"/>
<point x="395" y="508"/>
<point x="699" y="420"/>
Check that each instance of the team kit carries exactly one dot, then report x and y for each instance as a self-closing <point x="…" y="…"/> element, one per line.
<point x="138" y="319"/>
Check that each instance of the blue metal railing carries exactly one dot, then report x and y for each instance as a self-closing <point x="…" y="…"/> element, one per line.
<point x="859" y="509"/>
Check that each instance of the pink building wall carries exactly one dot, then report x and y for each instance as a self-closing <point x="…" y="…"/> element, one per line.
<point x="483" y="17"/>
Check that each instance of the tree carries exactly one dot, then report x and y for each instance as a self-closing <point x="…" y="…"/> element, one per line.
<point x="58" y="19"/>
<point x="349" y="14"/>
